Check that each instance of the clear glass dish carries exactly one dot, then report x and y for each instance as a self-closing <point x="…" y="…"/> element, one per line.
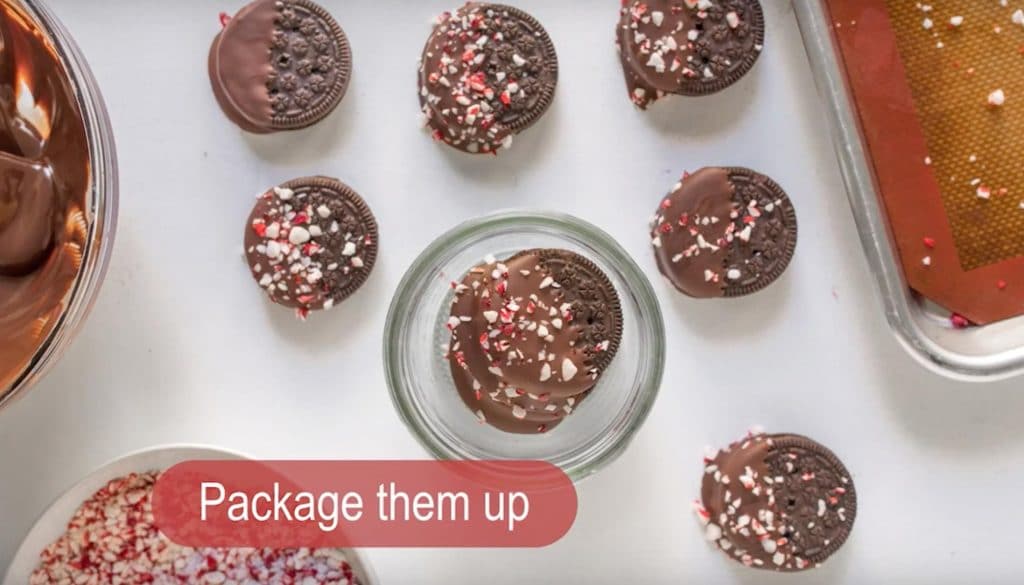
<point x="100" y="201"/>
<point x="420" y="381"/>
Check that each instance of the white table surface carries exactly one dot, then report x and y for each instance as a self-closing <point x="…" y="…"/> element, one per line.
<point x="182" y="347"/>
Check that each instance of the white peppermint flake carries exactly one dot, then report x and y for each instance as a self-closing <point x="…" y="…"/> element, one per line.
<point x="569" y="370"/>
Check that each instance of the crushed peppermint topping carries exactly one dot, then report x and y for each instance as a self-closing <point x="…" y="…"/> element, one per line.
<point x="112" y="539"/>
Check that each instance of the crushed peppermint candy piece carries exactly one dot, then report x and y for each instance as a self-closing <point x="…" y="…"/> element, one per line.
<point x="997" y="98"/>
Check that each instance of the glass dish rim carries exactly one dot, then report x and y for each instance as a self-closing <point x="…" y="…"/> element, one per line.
<point x="607" y="450"/>
<point x="101" y="202"/>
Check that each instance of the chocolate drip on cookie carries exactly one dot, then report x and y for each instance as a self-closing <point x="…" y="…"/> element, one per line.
<point x="724" y="232"/>
<point x="531" y="336"/>
<point x="780" y="502"/>
<point x="280" y="65"/>
<point x="687" y="47"/>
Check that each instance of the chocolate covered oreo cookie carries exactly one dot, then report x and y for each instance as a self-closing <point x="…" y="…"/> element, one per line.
<point x="779" y="502"/>
<point x="687" y="47"/>
<point x="487" y="73"/>
<point x="311" y="243"/>
<point x="279" y="65"/>
<point x="531" y="336"/>
<point x="724" y="232"/>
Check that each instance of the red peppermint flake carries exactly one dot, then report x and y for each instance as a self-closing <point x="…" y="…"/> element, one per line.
<point x="929" y="242"/>
<point x="684" y="219"/>
<point x="225" y="18"/>
<point x="259" y="227"/>
<point x="1001" y="284"/>
<point x="506" y="98"/>
<point x="468" y="56"/>
<point x="300" y="219"/>
<point x="666" y="203"/>
<point x="520" y="392"/>
<point x="508" y="329"/>
<point x="542" y="428"/>
<point x="479" y="396"/>
<point x="959" y="321"/>
<point x="310" y="248"/>
<point x="478" y="82"/>
<point x="665" y="228"/>
<point x="686" y="175"/>
<point x="501" y="288"/>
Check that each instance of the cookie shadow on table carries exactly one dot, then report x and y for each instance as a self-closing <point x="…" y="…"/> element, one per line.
<point x="704" y="116"/>
<point x="731" y="317"/>
<point x="333" y="330"/>
<point x="312" y="144"/>
<point x="528" y="148"/>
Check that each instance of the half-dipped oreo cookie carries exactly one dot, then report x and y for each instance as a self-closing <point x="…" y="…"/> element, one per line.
<point x="487" y="73"/>
<point x="687" y="47"/>
<point x="279" y="65"/>
<point x="779" y="502"/>
<point x="311" y="243"/>
<point x="724" y="232"/>
<point x="531" y="336"/>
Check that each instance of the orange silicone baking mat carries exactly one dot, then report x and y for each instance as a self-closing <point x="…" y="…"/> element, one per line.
<point x="957" y="53"/>
<point x="938" y="90"/>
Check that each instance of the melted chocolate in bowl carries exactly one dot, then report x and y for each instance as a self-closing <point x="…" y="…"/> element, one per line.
<point x="45" y="177"/>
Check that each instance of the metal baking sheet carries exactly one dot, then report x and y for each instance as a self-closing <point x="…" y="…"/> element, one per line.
<point x="990" y="352"/>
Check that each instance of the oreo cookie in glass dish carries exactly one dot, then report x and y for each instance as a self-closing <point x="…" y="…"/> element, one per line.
<point x="279" y="65"/>
<point x="311" y="243"/>
<point x="781" y="502"/>
<point x="687" y="47"/>
<point x="531" y="336"/>
<point x="724" y="232"/>
<point x="525" y="335"/>
<point x="488" y="72"/>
